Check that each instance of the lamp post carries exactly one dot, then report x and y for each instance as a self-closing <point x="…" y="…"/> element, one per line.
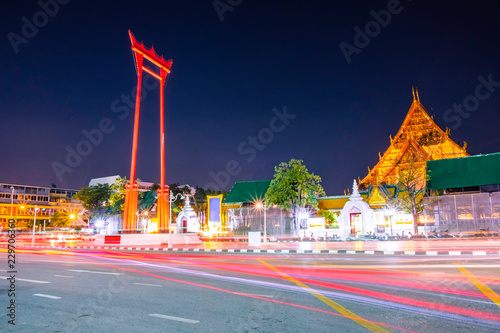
<point x="170" y="200"/>
<point x="265" y="223"/>
<point x="390" y="213"/>
<point x="145" y="221"/>
<point x="262" y="205"/>
<point x="34" y="224"/>
<point x="12" y="202"/>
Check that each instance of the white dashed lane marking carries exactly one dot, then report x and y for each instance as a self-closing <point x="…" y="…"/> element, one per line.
<point x="93" y="272"/>
<point x="148" y="284"/>
<point x="184" y="320"/>
<point x="47" y="296"/>
<point x="25" y="280"/>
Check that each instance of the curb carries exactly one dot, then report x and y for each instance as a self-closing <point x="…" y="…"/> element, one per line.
<point x="159" y="249"/>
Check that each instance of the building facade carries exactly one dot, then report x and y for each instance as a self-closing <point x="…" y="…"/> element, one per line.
<point x="23" y="202"/>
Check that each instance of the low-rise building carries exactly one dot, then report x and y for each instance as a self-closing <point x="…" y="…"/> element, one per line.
<point x="23" y="202"/>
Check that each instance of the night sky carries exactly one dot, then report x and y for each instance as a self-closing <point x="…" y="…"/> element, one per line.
<point x="335" y="110"/>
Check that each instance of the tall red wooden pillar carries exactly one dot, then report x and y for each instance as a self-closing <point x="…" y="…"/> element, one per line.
<point x="163" y="192"/>
<point x="131" y="192"/>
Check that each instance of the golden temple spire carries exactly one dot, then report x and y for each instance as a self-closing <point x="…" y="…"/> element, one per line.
<point x="414" y="91"/>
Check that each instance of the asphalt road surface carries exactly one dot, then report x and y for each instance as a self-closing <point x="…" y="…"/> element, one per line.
<point x="128" y="291"/>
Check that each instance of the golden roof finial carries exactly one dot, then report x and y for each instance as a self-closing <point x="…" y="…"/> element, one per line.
<point x="413" y="92"/>
<point x="418" y="98"/>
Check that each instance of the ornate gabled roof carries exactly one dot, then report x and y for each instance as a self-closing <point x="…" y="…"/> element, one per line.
<point x="418" y="140"/>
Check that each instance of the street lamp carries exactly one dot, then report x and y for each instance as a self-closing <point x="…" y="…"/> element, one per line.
<point x="171" y="199"/>
<point x="304" y="215"/>
<point x="390" y="213"/>
<point x="262" y="205"/>
<point x="12" y="202"/>
<point x="144" y="221"/>
<point x="34" y="224"/>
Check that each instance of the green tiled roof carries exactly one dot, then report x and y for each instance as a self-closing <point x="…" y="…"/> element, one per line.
<point x="464" y="172"/>
<point x="247" y="191"/>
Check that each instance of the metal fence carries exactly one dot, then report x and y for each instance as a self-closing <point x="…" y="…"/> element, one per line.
<point x="464" y="213"/>
<point x="248" y="218"/>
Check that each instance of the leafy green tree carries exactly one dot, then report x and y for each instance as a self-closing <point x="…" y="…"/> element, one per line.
<point x="293" y="187"/>
<point x="96" y="200"/>
<point x="179" y="193"/>
<point x="117" y="196"/>
<point x="330" y="218"/>
<point x="59" y="219"/>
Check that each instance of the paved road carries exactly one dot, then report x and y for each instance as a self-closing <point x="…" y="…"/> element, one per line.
<point x="123" y="291"/>
<point x="489" y="244"/>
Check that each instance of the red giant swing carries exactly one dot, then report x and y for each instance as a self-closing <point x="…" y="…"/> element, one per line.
<point x="131" y="192"/>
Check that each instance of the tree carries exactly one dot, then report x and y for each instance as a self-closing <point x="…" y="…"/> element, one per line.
<point x="117" y="195"/>
<point x="96" y="200"/>
<point x="293" y="187"/>
<point x="411" y="184"/>
<point x="59" y="219"/>
<point x="330" y="218"/>
<point x="176" y="189"/>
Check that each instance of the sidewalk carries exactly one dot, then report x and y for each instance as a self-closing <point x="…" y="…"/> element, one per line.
<point x="485" y="246"/>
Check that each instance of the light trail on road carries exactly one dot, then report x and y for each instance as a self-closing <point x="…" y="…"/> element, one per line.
<point x="334" y="282"/>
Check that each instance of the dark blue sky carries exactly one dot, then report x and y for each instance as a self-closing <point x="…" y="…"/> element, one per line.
<point x="77" y="70"/>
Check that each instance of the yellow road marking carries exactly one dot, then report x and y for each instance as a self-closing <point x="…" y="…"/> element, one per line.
<point x="339" y="308"/>
<point x="487" y="291"/>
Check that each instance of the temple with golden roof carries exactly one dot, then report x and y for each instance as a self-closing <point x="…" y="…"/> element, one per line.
<point x="418" y="140"/>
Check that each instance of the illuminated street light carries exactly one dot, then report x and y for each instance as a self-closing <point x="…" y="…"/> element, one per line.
<point x="390" y="213"/>
<point x="144" y="221"/>
<point x="12" y="201"/>
<point x="171" y="199"/>
<point x="34" y="225"/>
<point x="262" y="205"/>
<point x="304" y="215"/>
